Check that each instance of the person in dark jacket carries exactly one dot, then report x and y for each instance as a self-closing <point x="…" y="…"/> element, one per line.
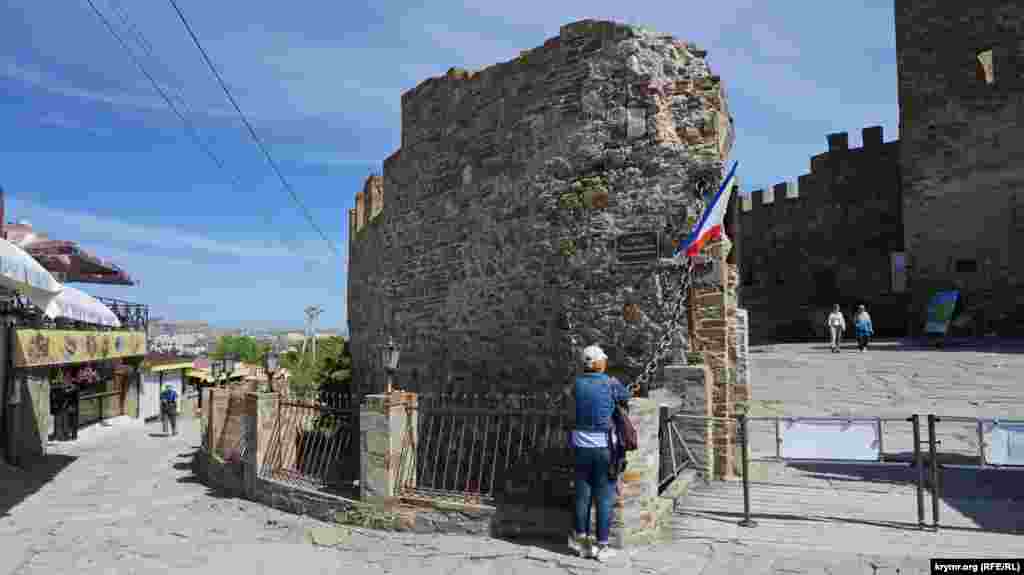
<point x="596" y="395"/>
<point x="169" y="409"/>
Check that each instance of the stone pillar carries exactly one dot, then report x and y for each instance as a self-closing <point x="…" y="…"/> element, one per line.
<point x="713" y="302"/>
<point x="639" y="513"/>
<point x="218" y="415"/>
<point x="693" y="384"/>
<point x="261" y="410"/>
<point x="387" y="423"/>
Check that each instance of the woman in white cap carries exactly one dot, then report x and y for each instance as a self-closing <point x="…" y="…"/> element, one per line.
<point x="596" y="395"/>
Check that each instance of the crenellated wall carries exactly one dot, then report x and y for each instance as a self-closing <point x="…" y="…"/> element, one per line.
<point x="825" y="238"/>
<point x="961" y="92"/>
<point x="499" y="213"/>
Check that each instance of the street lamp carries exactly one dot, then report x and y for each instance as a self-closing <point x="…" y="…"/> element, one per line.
<point x="389" y="358"/>
<point x="271" y="365"/>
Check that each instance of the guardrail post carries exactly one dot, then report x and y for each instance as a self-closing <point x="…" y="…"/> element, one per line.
<point x="747" y="521"/>
<point x="915" y="423"/>
<point x="932" y="420"/>
<point x="663" y="419"/>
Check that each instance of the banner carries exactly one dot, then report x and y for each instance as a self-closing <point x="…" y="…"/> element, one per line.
<point x="830" y="439"/>
<point x="43" y="347"/>
<point x="940" y="312"/>
<point x="1007" y="444"/>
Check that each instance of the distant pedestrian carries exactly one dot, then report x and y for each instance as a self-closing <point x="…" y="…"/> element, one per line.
<point x="836" y="325"/>
<point x="596" y="396"/>
<point x="169" y="409"/>
<point x="862" y="327"/>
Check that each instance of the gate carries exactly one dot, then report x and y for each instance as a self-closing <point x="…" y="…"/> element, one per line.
<point x="471" y="446"/>
<point x="315" y="443"/>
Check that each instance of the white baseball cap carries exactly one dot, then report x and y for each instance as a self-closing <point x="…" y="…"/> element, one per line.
<point x="592" y="354"/>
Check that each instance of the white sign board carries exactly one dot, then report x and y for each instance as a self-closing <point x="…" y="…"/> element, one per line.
<point x="830" y="439"/>
<point x="1006" y="445"/>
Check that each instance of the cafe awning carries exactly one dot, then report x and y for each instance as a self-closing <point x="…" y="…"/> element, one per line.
<point x="20" y="272"/>
<point x="74" y="304"/>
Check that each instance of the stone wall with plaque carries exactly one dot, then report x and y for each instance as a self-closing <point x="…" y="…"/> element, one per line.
<point x="516" y="195"/>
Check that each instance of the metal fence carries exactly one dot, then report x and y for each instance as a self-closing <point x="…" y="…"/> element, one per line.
<point x="469" y="445"/>
<point x="899" y="452"/>
<point x="315" y="443"/>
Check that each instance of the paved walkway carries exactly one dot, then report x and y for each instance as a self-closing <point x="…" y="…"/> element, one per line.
<point x="124" y="500"/>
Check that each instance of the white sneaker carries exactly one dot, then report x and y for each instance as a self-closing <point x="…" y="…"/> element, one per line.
<point x="604" y="553"/>
<point x="581" y="546"/>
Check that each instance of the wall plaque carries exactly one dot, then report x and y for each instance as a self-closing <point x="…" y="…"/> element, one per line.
<point x="637" y="248"/>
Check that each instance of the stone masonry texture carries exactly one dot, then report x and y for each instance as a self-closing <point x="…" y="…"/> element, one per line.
<point x="501" y="209"/>
<point x="960" y="142"/>
<point x="824" y="239"/>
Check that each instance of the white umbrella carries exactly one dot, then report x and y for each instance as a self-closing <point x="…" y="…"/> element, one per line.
<point x="22" y="273"/>
<point x="77" y="305"/>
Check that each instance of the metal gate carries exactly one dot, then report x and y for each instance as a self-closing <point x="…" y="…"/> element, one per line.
<point x="315" y="443"/>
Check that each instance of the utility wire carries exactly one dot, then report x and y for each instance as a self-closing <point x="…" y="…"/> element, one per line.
<point x="252" y="132"/>
<point x="190" y="127"/>
<point x="147" y="47"/>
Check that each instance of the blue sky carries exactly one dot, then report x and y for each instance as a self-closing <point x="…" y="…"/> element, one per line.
<point x="90" y="152"/>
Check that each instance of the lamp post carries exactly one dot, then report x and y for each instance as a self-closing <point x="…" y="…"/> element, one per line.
<point x="389" y="358"/>
<point x="271" y="365"/>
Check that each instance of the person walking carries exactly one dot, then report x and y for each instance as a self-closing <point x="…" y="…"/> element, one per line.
<point x="862" y="327"/>
<point x="169" y="409"/>
<point x="836" y="325"/>
<point x="596" y="396"/>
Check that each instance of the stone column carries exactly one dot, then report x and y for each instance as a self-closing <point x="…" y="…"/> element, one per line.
<point x="218" y="414"/>
<point x="387" y="424"/>
<point x="693" y="385"/>
<point x="639" y="513"/>
<point x="710" y="333"/>
<point x="261" y="410"/>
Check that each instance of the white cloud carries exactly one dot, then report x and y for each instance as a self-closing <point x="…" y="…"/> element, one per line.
<point x="116" y="231"/>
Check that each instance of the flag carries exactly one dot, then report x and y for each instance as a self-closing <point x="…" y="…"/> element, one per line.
<point x="710" y="224"/>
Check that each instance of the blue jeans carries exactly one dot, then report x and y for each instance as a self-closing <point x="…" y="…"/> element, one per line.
<point x="592" y="481"/>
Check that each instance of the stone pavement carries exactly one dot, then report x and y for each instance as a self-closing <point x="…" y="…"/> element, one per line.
<point x="124" y="500"/>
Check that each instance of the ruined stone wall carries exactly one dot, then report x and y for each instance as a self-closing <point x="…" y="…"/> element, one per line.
<point x="961" y="93"/>
<point x="823" y="239"/>
<point x="503" y="204"/>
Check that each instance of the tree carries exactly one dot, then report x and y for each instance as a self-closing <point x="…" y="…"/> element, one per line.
<point x="246" y="348"/>
<point x="329" y="375"/>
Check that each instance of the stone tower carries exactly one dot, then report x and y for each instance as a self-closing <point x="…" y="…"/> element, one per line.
<point x="961" y="97"/>
<point x="501" y="212"/>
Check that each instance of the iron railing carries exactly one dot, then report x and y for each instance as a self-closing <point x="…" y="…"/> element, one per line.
<point x="315" y="443"/>
<point x="899" y="444"/>
<point x="469" y="446"/>
<point x="132" y="315"/>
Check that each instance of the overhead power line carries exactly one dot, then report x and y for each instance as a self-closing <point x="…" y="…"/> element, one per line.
<point x="252" y="132"/>
<point x="189" y="126"/>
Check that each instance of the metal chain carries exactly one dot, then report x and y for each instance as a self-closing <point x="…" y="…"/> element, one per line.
<point x="670" y="331"/>
<point x="673" y="325"/>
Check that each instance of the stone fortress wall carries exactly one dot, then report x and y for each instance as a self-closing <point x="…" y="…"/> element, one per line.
<point x="500" y="212"/>
<point x="961" y="92"/>
<point x="828" y="237"/>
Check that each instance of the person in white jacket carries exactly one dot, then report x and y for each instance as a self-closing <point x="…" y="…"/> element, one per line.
<point x="836" y="325"/>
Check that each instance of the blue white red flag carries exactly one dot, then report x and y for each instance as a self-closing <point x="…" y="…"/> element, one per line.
<point x="710" y="225"/>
